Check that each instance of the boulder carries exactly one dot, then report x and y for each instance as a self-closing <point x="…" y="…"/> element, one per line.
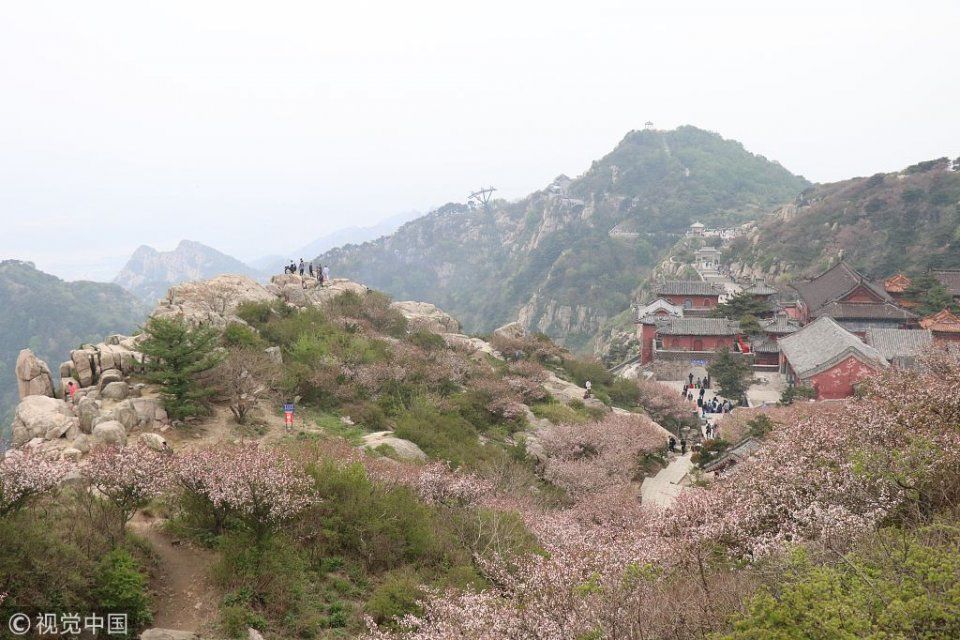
<point x="154" y="441"/>
<point x="109" y="375"/>
<point x="294" y="294"/>
<point x="71" y="454"/>
<point x="33" y="376"/>
<point x="82" y="443"/>
<point x="126" y="414"/>
<point x="88" y="410"/>
<point x="36" y="416"/>
<point x="253" y="634"/>
<point x="321" y="295"/>
<point x="66" y="369"/>
<point x="84" y="365"/>
<point x="149" y="410"/>
<point x="274" y="354"/>
<point x="110" y="432"/>
<point x="405" y="449"/>
<point x="427" y="317"/>
<point x="115" y="391"/>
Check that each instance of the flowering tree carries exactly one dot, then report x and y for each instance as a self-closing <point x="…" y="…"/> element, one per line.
<point x="438" y="484"/>
<point x="128" y="477"/>
<point x="261" y="486"/>
<point x="588" y="458"/>
<point x="663" y="404"/>
<point x="23" y="475"/>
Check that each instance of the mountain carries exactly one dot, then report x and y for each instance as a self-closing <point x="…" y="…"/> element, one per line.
<point x="890" y="222"/>
<point x="50" y="316"/>
<point x="566" y="258"/>
<point x="337" y="238"/>
<point x="149" y="273"/>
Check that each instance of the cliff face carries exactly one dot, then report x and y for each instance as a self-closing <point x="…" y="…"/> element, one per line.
<point x="149" y="273"/>
<point x="565" y="259"/>
<point x="905" y="221"/>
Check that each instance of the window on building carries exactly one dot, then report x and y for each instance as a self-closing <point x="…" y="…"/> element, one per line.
<point x="687" y="303"/>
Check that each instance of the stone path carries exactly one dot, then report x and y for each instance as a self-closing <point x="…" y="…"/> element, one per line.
<point x="662" y="489"/>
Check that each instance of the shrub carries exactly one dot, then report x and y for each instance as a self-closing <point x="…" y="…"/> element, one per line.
<point x="427" y="340"/>
<point x="121" y="586"/>
<point x="397" y="594"/>
<point x="240" y="335"/>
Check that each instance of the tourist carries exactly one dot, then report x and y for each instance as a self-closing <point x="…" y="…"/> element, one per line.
<point x="690" y="376"/>
<point x="700" y="401"/>
<point x="588" y="386"/>
<point x="672" y="444"/>
<point x="703" y="390"/>
<point x="301" y="267"/>
<point x="326" y="273"/>
<point x="690" y="397"/>
<point x="311" y="270"/>
<point x="699" y="382"/>
<point x="683" y="446"/>
<point x="71" y="392"/>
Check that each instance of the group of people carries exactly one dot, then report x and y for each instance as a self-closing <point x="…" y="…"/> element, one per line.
<point x="321" y="273"/>
<point x="672" y="445"/>
<point x="696" y="391"/>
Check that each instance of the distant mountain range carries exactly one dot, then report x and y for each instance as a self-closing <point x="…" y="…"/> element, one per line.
<point x="51" y="316"/>
<point x="340" y="237"/>
<point x="568" y="257"/>
<point x="150" y="273"/>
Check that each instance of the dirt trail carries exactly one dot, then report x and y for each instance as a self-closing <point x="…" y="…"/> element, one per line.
<point x="186" y="599"/>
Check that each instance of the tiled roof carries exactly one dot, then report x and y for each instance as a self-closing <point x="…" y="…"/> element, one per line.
<point x="949" y="278"/>
<point x="760" y="289"/>
<point x="686" y="288"/>
<point x="697" y="327"/>
<point x="863" y="311"/>
<point x="896" y="284"/>
<point x="899" y="343"/>
<point x="764" y="345"/>
<point x="823" y="343"/>
<point x="942" y="321"/>
<point x="832" y="284"/>
<point x="781" y="324"/>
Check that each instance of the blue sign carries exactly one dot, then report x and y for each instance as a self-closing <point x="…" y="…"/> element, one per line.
<point x="698" y="363"/>
<point x="288" y="408"/>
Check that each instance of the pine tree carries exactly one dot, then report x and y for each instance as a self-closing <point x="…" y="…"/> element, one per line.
<point x="731" y="375"/>
<point x="177" y="356"/>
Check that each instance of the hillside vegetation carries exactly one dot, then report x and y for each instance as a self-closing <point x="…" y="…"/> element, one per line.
<point x="568" y="257"/>
<point x="50" y="316"/>
<point x="907" y="221"/>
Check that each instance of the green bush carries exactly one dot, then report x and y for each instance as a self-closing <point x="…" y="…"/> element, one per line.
<point x="447" y="436"/>
<point x="240" y="335"/>
<point x="121" y="586"/>
<point x="427" y="340"/>
<point x="397" y="594"/>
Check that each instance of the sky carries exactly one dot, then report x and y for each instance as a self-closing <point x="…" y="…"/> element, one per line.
<point x="255" y="127"/>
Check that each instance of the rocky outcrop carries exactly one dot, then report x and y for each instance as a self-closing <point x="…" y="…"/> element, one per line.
<point x="33" y="376"/>
<point x="211" y="302"/>
<point x="104" y="363"/>
<point x="423" y="316"/>
<point x="43" y="417"/>
<point x="404" y="449"/>
<point x="304" y="291"/>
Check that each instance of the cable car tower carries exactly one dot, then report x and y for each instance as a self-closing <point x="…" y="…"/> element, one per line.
<point x="481" y="197"/>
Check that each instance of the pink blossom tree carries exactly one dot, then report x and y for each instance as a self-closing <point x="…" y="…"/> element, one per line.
<point x="127" y="477"/>
<point x="24" y="475"/>
<point x="261" y="486"/>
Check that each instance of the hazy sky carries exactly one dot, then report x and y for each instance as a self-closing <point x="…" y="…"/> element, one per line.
<point x="257" y="126"/>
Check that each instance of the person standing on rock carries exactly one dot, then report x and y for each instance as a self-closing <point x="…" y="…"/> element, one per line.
<point x="589" y="387"/>
<point x="71" y="392"/>
<point x="301" y="267"/>
<point x="326" y="273"/>
<point x="683" y="446"/>
<point x="311" y="270"/>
